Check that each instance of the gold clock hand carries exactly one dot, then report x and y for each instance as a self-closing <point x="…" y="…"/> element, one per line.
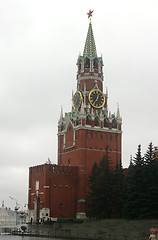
<point x="96" y="98"/>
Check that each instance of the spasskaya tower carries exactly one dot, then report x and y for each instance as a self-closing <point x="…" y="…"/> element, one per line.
<point x="89" y="128"/>
<point x="85" y="134"/>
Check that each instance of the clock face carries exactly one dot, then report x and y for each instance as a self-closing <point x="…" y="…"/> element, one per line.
<point x="96" y="98"/>
<point x="77" y="99"/>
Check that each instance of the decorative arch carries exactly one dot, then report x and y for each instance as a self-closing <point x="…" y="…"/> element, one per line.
<point x="88" y="120"/>
<point x="114" y="123"/>
<point x="106" y="122"/>
<point x="97" y="121"/>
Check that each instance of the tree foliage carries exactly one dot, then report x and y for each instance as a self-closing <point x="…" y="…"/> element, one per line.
<point x="105" y="185"/>
<point x="134" y="195"/>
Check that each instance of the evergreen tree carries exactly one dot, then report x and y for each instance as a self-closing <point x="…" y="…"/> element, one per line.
<point x="136" y="194"/>
<point x="100" y="185"/>
<point x="129" y="194"/>
<point x="141" y="200"/>
<point x="149" y="155"/>
<point x="138" y="159"/>
<point x="92" y="198"/>
<point x="117" y="191"/>
<point x="151" y="182"/>
<point x="105" y="188"/>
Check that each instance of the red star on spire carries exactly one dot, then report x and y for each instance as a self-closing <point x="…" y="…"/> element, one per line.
<point x="90" y="13"/>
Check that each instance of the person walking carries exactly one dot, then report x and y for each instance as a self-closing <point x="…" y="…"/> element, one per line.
<point x="152" y="236"/>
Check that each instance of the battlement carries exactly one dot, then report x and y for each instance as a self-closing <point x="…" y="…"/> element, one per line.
<point x="63" y="169"/>
<point x="53" y="168"/>
<point x="36" y="169"/>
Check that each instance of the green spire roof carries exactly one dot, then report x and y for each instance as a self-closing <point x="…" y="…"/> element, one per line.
<point x="90" y="48"/>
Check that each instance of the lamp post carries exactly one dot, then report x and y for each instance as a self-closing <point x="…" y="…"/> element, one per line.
<point x="16" y="207"/>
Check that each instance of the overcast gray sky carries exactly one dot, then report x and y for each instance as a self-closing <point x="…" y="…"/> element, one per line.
<point x="39" y="44"/>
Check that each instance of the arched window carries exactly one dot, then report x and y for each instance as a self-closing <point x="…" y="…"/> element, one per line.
<point x="106" y="122"/>
<point x="114" y="123"/>
<point x="88" y="120"/>
<point x="95" y="63"/>
<point x="97" y="122"/>
<point x="77" y="122"/>
<point x="87" y="62"/>
<point x="62" y="127"/>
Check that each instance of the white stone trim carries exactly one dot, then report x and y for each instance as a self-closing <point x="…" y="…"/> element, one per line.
<point x="89" y="77"/>
<point x="81" y="200"/>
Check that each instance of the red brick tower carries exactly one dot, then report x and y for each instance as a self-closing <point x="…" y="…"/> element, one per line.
<point x="86" y="131"/>
<point x="83" y="137"/>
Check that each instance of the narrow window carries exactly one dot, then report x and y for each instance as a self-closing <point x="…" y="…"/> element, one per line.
<point x="91" y="135"/>
<point x="97" y="123"/>
<point x="88" y="120"/>
<point x="77" y="122"/>
<point x="87" y="63"/>
<point x="106" y="123"/>
<point x="79" y="66"/>
<point x="114" y="123"/>
<point x="95" y="63"/>
<point x="69" y="161"/>
<point x="62" y="127"/>
<point x="37" y="185"/>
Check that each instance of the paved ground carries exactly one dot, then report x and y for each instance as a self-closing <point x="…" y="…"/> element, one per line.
<point x="116" y="227"/>
<point x="104" y="229"/>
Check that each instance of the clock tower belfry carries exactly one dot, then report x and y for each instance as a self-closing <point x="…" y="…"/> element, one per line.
<point x="85" y="133"/>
